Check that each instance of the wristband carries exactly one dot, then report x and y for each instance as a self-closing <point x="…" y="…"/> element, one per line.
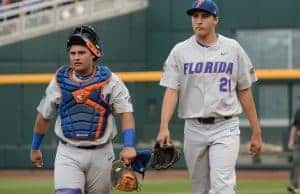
<point x="36" y="141"/>
<point x="128" y="137"/>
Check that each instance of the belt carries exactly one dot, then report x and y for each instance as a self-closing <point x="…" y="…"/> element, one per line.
<point x="211" y="120"/>
<point x="89" y="147"/>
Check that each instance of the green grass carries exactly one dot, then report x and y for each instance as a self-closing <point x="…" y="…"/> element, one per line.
<point x="148" y="187"/>
<point x="19" y="186"/>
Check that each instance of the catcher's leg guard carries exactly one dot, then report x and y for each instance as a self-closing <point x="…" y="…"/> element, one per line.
<point x="68" y="191"/>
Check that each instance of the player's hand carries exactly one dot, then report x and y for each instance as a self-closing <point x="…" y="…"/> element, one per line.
<point x="128" y="155"/>
<point x="255" y="144"/>
<point x="36" y="158"/>
<point x="163" y="137"/>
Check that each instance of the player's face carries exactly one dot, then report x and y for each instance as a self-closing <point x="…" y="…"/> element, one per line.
<point x="81" y="59"/>
<point x="203" y="23"/>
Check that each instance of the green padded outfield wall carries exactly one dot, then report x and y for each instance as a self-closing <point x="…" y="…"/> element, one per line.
<point x="136" y="42"/>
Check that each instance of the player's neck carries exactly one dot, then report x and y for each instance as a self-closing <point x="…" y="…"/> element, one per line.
<point x="84" y="75"/>
<point x="209" y="39"/>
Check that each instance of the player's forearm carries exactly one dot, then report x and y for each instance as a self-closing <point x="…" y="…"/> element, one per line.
<point x="40" y="129"/>
<point x="168" y="107"/>
<point x="128" y="129"/>
<point x="247" y="102"/>
<point x="41" y="124"/>
<point x="127" y="121"/>
<point x="293" y="134"/>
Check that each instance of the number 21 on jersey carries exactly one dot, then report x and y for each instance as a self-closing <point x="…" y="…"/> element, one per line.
<point x="225" y="84"/>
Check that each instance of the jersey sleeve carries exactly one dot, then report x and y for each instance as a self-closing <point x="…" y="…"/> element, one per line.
<point x="246" y="72"/>
<point x="49" y="103"/>
<point x="170" y="76"/>
<point x="120" y="97"/>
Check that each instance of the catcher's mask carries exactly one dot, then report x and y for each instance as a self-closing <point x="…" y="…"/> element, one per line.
<point x="86" y="36"/>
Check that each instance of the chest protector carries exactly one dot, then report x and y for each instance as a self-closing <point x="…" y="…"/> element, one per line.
<point x="83" y="110"/>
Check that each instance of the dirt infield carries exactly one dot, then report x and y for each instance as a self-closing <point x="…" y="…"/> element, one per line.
<point x="169" y="174"/>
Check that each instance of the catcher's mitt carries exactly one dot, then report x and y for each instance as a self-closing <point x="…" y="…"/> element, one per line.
<point x="164" y="157"/>
<point x="123" y="178"/>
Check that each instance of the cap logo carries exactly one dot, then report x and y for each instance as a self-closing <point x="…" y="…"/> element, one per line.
<point x="199" y="3"/>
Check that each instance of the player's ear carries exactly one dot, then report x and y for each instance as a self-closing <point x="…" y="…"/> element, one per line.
<point x="95" y="58"/>
<point x="216" y="20"/>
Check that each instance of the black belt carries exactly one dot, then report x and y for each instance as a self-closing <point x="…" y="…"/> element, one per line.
<point x="211" y="120"/>
<point x="89" y="147"/>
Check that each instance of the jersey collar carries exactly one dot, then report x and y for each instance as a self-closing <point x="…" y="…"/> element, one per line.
<point x="213" y="46"/>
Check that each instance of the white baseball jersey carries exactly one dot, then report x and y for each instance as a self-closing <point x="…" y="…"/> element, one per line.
<point x="207" y="77"/>
<point x="119" y="101"/>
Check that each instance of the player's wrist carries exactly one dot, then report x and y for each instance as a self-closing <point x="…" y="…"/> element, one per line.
<point x="256" y="130"/>
<point x="256" y="133"/>
<point x="36" y="141"/>
<point x="164" y="126"/>
<point x="164" y="130"/>
<point x="129" y="137"/>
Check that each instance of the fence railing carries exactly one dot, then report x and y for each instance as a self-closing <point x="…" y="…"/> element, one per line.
<point x="21" y="21"/>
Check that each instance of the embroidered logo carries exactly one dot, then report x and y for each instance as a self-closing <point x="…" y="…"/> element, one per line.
<point x="199" y="3"/>
<point x="224" y="53"/>
<point x="80" y="96"/>
<point x="232" y="129"/>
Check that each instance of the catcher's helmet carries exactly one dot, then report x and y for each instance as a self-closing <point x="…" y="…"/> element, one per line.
<point x="204" y="5"/>
<point x="86" y="36"/>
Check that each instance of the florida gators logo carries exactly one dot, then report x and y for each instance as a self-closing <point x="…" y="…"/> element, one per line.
<point x="199" y="3"/>
<point x="80" y="95"/>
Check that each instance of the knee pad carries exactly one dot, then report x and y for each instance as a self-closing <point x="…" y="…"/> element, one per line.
<point x="68" y="191"/>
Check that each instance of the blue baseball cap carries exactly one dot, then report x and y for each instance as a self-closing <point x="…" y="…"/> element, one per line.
<point x="204" y="5"/>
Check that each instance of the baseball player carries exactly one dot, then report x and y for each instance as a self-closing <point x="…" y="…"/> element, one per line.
<point x="294" y="145"/>
<point x="210" y="76"/>
<point x="84" y="96"/>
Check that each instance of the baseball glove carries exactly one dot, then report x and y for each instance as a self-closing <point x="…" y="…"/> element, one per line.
<point x="123" y="178"/>
<point x="164" y="157"/>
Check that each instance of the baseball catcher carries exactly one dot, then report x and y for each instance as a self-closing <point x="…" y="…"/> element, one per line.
<point x="164" y="157"/>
